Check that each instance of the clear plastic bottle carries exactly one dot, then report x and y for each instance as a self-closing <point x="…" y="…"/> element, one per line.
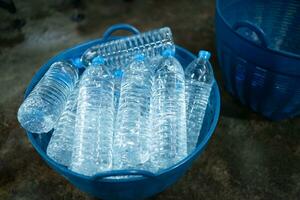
<point x="93" y="139"/>
<point x="118" y="73"/>
<point x="61" y="143"/>
<point x="42" y="108"/>
<point x="199" y="79"/>
<point x="131" y="139"/>
<point x="121" y="51"/>
<point x="117" y="87"/>
<point x="168" y="113"/>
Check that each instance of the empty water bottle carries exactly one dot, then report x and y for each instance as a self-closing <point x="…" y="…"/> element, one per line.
<point x="199" y="79"/>
<point x="44" y="105"/>
<point x="132" y="134"/>
<point x="92" y="147"/>
<point x="118" y="73"/>
<point x="61" y="143"/>
<point x="121" y="51"/>
<point x="117" y="86"/>
<point x="168" y="113"/>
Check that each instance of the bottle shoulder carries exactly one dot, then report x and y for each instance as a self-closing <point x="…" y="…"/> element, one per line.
<point x="199" y="70"/>
<point x="169" y="65"/>
<point x="96" y="73"/>
<point x="138" y="67"/>
<point x="65" y="67"/>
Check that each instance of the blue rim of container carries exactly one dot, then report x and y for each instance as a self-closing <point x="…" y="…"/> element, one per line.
<point x="283" y="54"/>
<point x="142" y="174"/>
<point x="286" y="53"/>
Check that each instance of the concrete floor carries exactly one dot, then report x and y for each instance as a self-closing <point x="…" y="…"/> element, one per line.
<point x="248" y="157"/>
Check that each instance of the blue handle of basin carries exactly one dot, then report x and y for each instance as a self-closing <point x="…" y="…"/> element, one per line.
<point x="126" y="27"/>
<point x="258" y="31"/>
<point x="142" y="173"/>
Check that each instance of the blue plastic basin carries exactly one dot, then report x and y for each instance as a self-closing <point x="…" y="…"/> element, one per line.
<point x="258" y="44"/>
<point x="138" y="187"/>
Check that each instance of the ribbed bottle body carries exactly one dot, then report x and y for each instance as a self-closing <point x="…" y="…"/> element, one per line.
<point x="42" y="108"/>
<point x="92" y="148"/>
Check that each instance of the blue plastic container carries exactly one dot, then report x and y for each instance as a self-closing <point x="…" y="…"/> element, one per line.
<point x="258" y="44"/>
<point x="146" y="184"/>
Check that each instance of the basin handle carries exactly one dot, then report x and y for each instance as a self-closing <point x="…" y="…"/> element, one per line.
<point x="257" y="30"/>
<point x="126" y="27"/>
<point x="114" y="173"/>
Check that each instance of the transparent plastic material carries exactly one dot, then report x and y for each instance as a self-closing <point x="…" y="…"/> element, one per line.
<point x="132" y="136"/>
<point x="141" y="184"/>
<point x="168" y="113"/>
<point x="93" y="138"/>
<point x="199" y="79"/>
<point x="42" y="108"/>
<point x="120" y="52"/>
<point x="61" y="143"/>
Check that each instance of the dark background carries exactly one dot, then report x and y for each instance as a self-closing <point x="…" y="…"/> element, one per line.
<point x="248" y="156"/>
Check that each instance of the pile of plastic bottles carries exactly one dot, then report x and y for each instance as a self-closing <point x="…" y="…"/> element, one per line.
<point x="133" y="107"/>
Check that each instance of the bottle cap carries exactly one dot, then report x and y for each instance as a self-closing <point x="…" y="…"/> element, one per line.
<point x="204" y="54"/>
<point x="118" y="73"/>
<point x="139" y="57"/>
<point x="77" y="63"/>
<point x="98" y="60"/>
<point x="168" y="53"/>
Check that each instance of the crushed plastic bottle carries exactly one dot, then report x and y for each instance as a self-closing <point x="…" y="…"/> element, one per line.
<point x="121" y="51"/>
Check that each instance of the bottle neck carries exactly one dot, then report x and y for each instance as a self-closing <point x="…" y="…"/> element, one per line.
<point x="202" y="61"/>
<point x="200" y="70"/>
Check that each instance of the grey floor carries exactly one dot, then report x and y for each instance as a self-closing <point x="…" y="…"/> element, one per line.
<point x="248" y="156"/>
